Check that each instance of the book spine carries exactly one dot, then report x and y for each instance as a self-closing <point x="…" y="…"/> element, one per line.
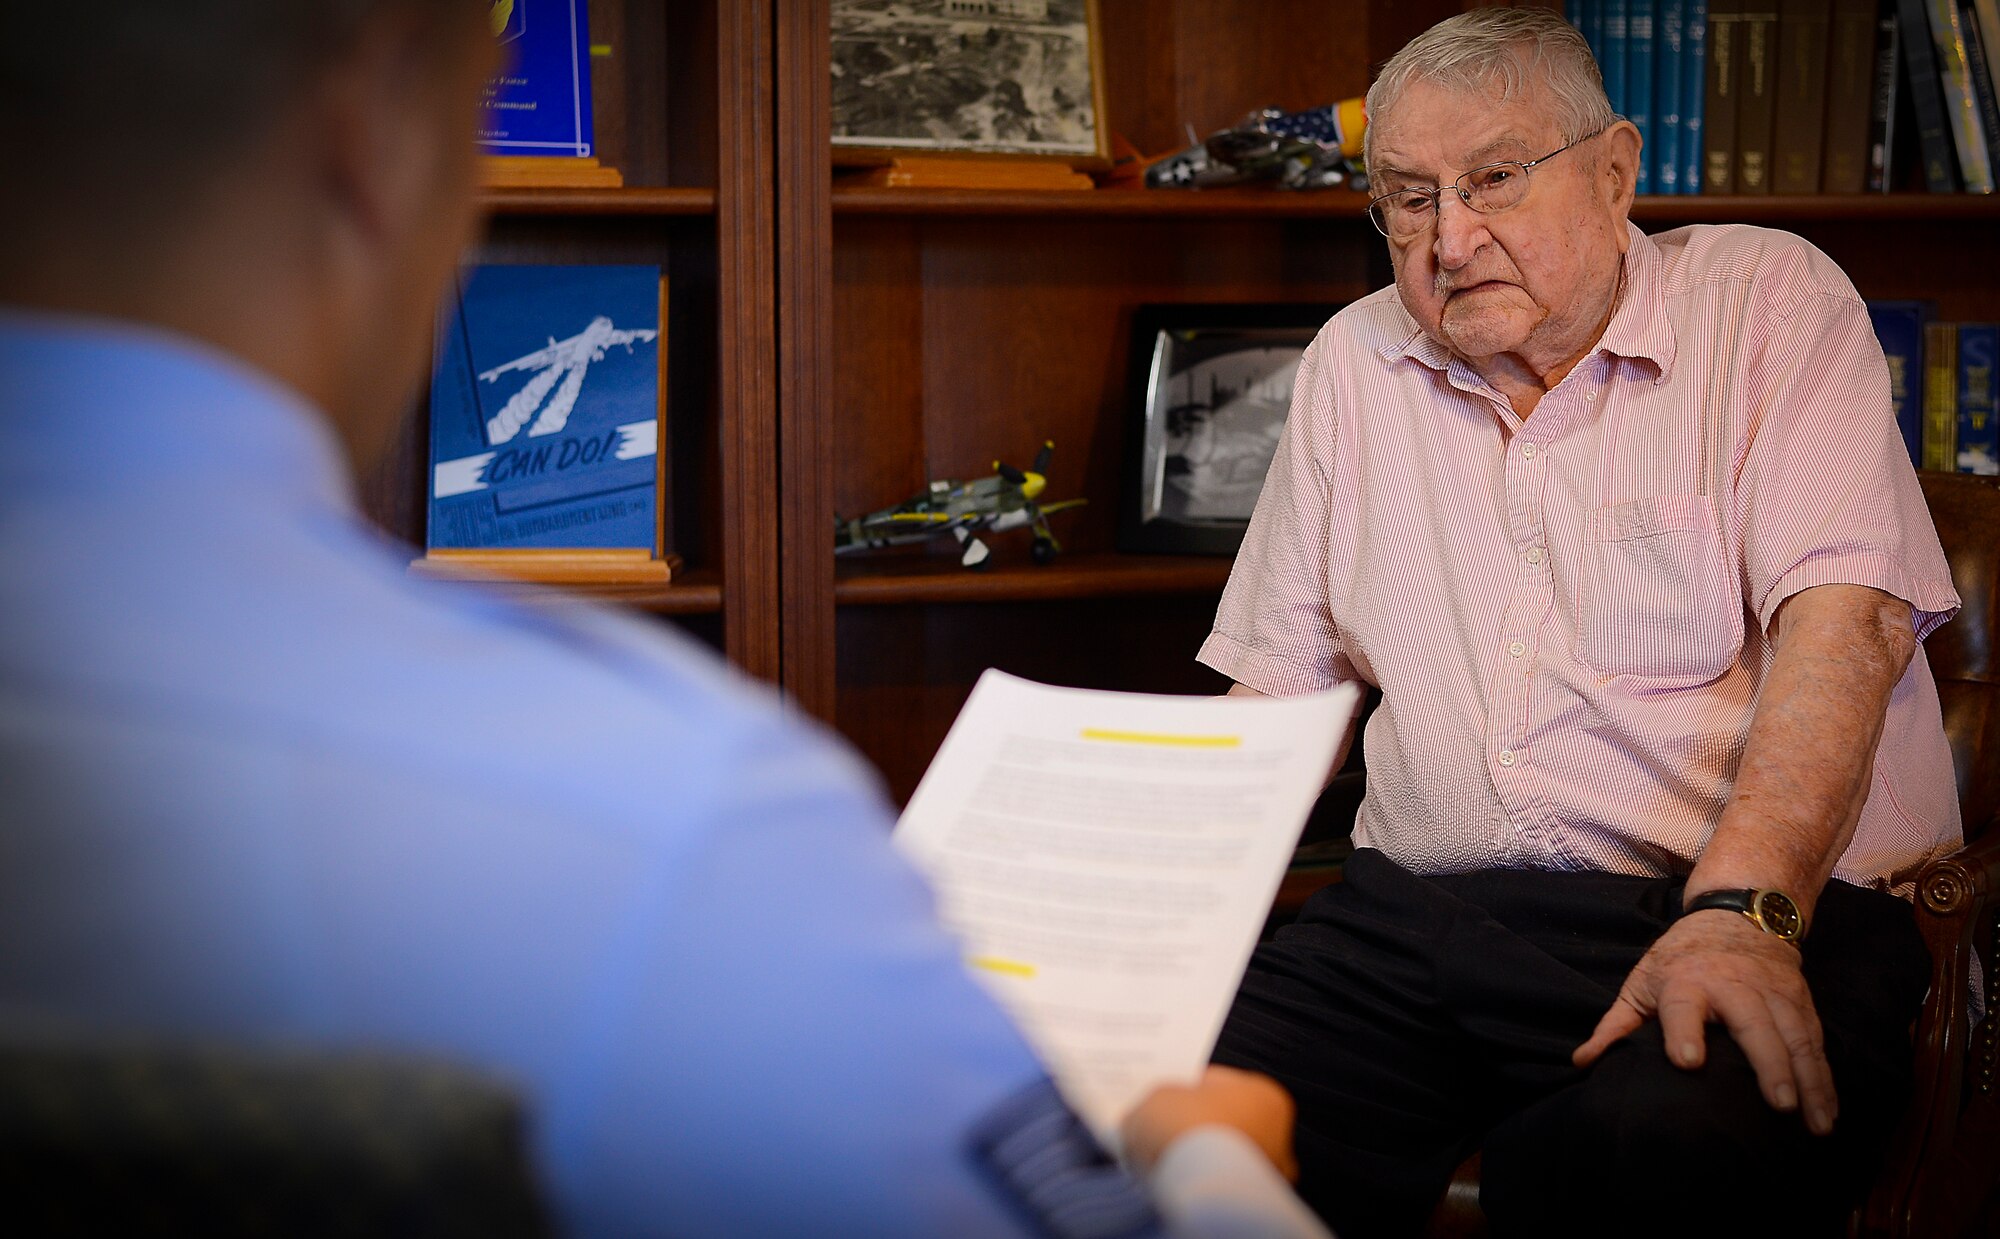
<point x="1899" y="325"/>
<point x="1694" y="86"/>
<point x="1926" y="97"/>
<point x="1589" y="21"/>
<point x="1961" y="107"/>
<point x="1718" y="167"/>
<point x="1639" y="33"/>
<point x="1798" y="131"/>
<point x="1882" y="109"/>
<point x="1669" y="44"/>
<point x="1941" y="396"/>
<point x="1757" y="94"/>
<point x="1976" y="57"/>
<point x="1612" y="58"/>
<point x="1987" y="14"/>
<point x="1850" y="74"/>
<point x="1978" y="417"/>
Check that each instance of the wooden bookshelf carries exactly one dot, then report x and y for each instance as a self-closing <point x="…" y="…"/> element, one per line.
<point x="831" y="347"/>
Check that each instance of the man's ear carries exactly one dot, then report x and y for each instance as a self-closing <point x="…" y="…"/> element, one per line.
<point x="1618" y="170"/>
<point x="380" y="132"/>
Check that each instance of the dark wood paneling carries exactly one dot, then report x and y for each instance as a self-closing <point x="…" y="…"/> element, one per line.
<point x="1020" y="334"/>
<point x="1169" y="64"/>
<point x="905" y="671"/>
<point x="876" y="447"/>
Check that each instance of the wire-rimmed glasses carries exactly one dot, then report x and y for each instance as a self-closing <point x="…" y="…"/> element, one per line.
<point x="1490" y="189"/>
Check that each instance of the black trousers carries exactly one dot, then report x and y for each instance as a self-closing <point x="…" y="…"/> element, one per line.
<point x="1416" y="1020"/>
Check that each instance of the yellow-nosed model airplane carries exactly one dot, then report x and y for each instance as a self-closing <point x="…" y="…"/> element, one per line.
<point x="1007" y="500"/>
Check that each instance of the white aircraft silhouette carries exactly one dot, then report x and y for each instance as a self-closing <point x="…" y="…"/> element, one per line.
<point x="565" y="360"/>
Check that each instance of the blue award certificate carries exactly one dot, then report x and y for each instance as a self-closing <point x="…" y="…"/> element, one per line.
<point x="545" y="410"/>
<point x="540" y="104"/>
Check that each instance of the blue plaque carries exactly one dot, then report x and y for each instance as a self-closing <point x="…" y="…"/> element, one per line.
<point x="540" y="104"/>
<point x="545" y="410"/>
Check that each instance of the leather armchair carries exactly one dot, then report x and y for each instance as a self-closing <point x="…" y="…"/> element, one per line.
<point x="144" y="1138"/>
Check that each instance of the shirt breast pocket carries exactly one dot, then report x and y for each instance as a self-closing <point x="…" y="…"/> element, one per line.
<point x="1659" y="596"/>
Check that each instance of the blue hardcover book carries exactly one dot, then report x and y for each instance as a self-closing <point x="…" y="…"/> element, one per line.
<point x="540" y="103"/>
<point x="1639" y="85"/>
<point x="1978" y="417"/>
<point x="1899" y="325"/>
<point x="1694" y="85"/>
<point x="1589" y="20"/>
<point x="1663" y="153"/>
<point x="1611" y="57"/>
<point x="545" y="410"/>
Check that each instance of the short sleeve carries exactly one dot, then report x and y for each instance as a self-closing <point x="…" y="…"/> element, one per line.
<point x="1274" y="630"/>
<point x="1825" y="491"/>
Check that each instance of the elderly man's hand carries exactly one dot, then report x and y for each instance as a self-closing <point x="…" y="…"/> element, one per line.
<point x="1719" y="966"/>
<point x="1253" y="1104"/>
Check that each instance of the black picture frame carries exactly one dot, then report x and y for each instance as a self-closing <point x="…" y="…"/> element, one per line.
<point x="1180" y="498"/>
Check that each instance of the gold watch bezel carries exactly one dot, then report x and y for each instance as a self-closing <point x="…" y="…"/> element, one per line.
<point x="1784" y="921"/>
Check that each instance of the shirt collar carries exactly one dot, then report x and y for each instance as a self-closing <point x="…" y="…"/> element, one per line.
<point x="99" y="403"/>
<point x="1639" y="326"/>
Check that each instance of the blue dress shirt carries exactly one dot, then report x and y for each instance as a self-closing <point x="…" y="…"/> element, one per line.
<point x="261" y="784"/>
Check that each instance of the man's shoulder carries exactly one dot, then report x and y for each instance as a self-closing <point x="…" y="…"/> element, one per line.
<point x="1777" y="266"/>
<point x="1376" y="324"/>
<point x="288" y="637"/>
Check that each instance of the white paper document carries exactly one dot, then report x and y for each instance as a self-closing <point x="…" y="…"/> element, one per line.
<point x="1108" y="859"/>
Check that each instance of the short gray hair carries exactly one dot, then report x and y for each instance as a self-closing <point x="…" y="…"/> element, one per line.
<point x="1501" y="50"/>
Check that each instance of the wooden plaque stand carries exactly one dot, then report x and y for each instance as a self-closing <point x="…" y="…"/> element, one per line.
<point x="565" y="568"/>
<point x="923" y="172"/>
<point x="547" y="172"/>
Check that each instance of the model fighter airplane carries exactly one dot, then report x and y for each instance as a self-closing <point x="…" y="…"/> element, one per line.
<point x="1006" y="500"/>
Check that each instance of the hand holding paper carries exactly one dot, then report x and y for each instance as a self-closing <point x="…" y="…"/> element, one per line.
<point x="1108" y="859"/>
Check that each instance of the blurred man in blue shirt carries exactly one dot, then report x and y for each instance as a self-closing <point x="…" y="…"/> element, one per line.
<point x="258" y="783"/>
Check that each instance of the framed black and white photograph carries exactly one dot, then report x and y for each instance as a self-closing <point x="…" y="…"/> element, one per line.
<point x="1210" y="388"/>
<point x="996" y="77"/>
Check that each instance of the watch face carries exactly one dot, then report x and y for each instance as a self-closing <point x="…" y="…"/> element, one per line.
<point x="1780" y="915"/>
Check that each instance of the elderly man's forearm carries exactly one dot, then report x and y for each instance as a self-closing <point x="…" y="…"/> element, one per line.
<point x="1838" y="653"/>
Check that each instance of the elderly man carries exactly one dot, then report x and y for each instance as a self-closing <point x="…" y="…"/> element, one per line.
<point x="258" y="784"/>
<point x="1622" y="529"/>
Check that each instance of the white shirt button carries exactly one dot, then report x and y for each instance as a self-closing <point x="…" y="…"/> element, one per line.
<point x="1534" y="554"/>
<point x="1506" y="757"/>
<point x="1590" y="395"/>
<point x="1528" y="450"/>
<point x="1517" y="649"/>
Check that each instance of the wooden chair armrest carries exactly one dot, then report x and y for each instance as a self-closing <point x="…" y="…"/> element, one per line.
<point x="1953" y="885"/>
<point x="1938" y="1170"/>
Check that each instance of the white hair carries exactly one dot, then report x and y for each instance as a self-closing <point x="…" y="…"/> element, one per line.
<point x="1501" y="51"/>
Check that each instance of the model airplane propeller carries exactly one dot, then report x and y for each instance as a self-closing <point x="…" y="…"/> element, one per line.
<point x="1006" y="500"/>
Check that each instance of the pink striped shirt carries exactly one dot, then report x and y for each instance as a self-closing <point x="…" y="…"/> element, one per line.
<point x="1566" y="615"/>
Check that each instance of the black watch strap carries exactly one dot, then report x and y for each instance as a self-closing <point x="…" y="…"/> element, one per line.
<point x="1772" y="911"/>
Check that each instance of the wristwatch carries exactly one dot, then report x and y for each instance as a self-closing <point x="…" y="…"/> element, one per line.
<point x="1771" y="911"/>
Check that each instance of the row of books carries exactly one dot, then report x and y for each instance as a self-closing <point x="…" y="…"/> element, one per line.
<point x="1801" y="96"/>
<point x="1941" y="384"/>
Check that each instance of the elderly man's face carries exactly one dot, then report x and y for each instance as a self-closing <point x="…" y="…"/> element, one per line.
<point x="1535" y="282"/>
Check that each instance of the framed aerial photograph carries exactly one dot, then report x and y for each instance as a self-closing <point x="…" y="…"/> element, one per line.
<point x="968" y="77"/>
<point x="1210" y="388"/>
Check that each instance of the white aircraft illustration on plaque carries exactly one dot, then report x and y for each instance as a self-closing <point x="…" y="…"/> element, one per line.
<point x="563" y="361"/>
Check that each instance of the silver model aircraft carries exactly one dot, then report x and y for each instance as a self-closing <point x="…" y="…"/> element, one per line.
<point x="565" y="361"/>
<point x="1006" y="500"/>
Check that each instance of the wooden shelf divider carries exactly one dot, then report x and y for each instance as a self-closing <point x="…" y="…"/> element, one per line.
<point x="630" y="200"/>
<point x="939" y="578"/>
<point x="1338" y="203"/>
